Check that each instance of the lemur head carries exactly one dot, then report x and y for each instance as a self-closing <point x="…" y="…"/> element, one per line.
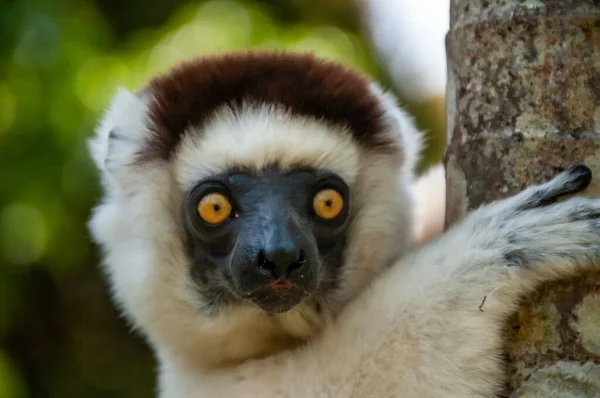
<point x="252" y="191"/>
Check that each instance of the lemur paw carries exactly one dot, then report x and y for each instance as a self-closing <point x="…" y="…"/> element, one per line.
<point x="534" y="228"/>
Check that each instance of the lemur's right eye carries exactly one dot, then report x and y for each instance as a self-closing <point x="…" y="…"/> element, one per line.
<point x="214" y="208"/>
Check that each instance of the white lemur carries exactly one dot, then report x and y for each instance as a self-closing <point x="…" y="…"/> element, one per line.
<point x="256" y="229"/>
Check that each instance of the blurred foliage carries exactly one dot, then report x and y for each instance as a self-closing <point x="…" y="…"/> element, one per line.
<point x="60" y="62"/>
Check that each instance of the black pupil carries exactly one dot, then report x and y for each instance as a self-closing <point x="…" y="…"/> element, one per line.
<point x="217" y="207"/>
<point x="328" y="203"/>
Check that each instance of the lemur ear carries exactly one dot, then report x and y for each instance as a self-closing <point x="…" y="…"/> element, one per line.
<point x="120" y="133"/>
<point x="401" y="126"/>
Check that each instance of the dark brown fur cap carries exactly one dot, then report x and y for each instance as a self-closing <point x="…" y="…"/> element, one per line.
<point x="306" y="85"/>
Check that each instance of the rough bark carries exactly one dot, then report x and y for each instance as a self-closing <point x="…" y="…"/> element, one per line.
<point x="523" y="102"/>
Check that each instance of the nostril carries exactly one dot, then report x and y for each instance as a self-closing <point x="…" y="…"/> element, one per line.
<point x="269" y="269"/>
<point x="297" y="264"/>
<point x="261" y="259"/>
<point x="265" y="266"/>
<point x="301" y="259"/>
<point x="293" y="267"/>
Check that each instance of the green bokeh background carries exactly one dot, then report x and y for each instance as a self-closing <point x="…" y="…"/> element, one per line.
<point x="60" y="62"/>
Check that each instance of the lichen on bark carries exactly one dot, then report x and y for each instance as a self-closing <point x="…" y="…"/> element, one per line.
<point x="524" y="103"/>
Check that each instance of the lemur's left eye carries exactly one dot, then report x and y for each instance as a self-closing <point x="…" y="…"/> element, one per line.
<point x="214" y="208"/>
<point x="328" y="203"/>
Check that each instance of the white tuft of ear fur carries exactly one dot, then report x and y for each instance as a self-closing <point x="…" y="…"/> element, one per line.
<point x="429" y="189"/>
<point x="120" y="133"/>
<point x="124" y="121"/>
<point x="402" y="125"/>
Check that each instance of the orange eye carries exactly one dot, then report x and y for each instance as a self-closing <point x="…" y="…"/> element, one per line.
<point x="214" y="208"/>
<point x="328" y="203"/>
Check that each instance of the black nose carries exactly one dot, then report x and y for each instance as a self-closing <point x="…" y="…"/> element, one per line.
<point x="281" y="261"/>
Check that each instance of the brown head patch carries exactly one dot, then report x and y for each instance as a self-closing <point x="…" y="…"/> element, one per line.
<point x="307" y="86"/>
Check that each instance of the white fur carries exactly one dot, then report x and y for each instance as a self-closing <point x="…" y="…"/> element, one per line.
<point x="402" y="125"/>
<point x="258" y="136"/>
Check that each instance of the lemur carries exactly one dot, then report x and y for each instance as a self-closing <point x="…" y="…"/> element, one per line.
<point x="258" y="228"/>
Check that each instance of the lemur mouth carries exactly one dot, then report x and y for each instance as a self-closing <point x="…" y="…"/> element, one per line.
<point x="278" y="297"/>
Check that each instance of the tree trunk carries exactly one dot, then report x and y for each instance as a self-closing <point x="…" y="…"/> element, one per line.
<point x="523" y="102"/>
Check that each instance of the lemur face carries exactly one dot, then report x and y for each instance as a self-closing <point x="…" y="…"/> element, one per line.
<point x="250" y="191"/>
<point x="270" y="236"/>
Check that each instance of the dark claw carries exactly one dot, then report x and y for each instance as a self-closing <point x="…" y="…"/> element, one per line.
<point x="582" y="177"/>
<point x="579" y="178"/>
